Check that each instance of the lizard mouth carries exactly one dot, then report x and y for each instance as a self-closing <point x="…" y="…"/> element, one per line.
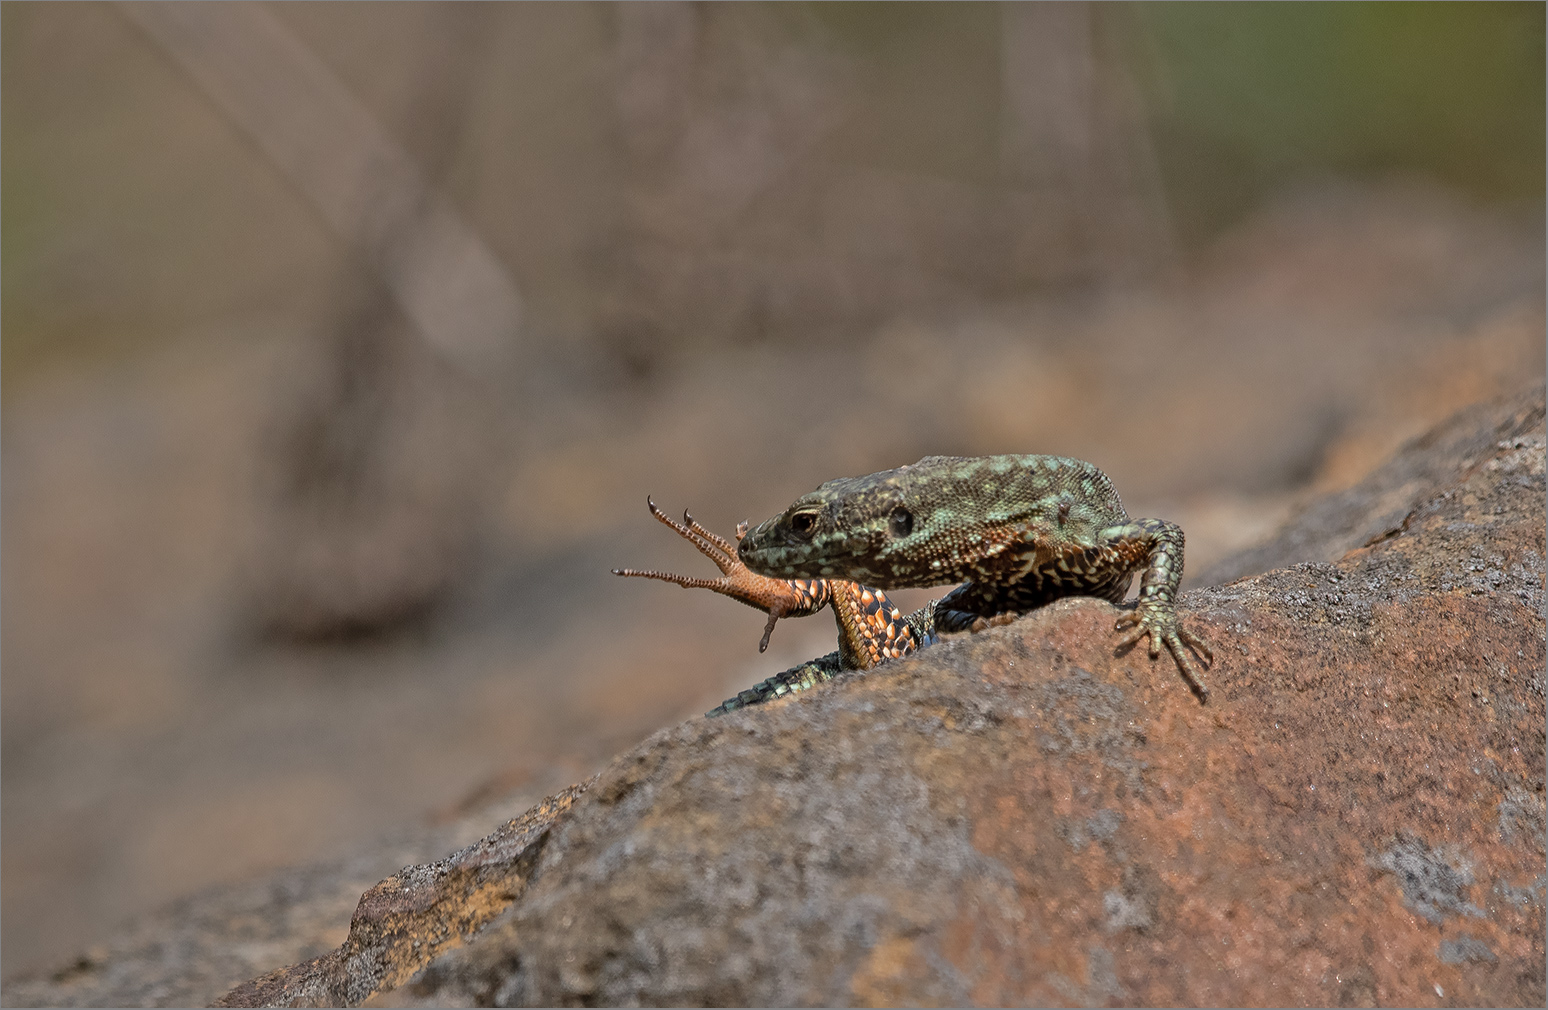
<point x="765" y="551"/>
<point x="788" y="563"/>
<point x="766" y="559"/>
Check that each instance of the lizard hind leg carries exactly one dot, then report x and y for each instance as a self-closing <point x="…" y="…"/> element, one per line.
<point x="776" y="597"/>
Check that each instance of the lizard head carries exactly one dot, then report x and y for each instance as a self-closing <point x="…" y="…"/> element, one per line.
<point x="891" y="530"/>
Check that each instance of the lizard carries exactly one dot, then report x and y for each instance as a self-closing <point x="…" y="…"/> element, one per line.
<point x="1016" y="531"/>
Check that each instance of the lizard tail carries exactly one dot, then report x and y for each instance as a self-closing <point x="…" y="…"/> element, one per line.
<point x="797" y="678"/>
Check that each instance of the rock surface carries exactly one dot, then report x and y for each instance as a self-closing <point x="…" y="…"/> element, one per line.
<point x="1335" y="524"/>
<point x="414" y="915"/>
<point x="1023" y="816"/>
<point x="197" y="948"/>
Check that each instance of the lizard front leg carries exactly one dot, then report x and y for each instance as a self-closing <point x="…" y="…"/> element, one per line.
<point x="1158" y="545"/>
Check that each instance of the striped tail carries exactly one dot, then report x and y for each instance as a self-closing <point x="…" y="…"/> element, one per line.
<point x="797" y="678"/>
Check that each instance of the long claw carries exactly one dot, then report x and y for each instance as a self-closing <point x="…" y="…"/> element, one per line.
<point x="1198" y="645"/>
<point x="1175" y="646"/>
<point x="1132" y="638"/>
<point x="707" y="543"/>
<point x="714" y="538"/>
<point x="1162" y="629"/>
<point x="686" y="581"/>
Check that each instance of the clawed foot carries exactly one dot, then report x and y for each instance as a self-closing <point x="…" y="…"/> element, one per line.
<point x="1160" y="623"/>
<point x="775" y="597"/>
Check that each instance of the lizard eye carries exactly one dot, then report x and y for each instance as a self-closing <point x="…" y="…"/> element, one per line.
<point x="901" y="523"/>
<point x="803" y="523"/>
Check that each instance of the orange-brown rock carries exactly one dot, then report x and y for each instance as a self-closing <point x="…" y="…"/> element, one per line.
<point x="1023" y="817"/>
<point x="413" y="915"/>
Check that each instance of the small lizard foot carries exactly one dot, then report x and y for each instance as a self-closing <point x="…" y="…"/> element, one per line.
<point x="1161" y="625"/>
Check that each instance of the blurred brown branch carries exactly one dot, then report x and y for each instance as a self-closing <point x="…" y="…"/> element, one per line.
<point x="759" y="199"/>
<point x="375" y="483"/>
<point x="1073" y="123"/>
<point x="363" y="184"/>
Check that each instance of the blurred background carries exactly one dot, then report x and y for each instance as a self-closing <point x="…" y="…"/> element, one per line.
<point x="343" y="342"/>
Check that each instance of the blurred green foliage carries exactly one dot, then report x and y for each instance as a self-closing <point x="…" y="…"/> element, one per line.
<point x="1247" y="96"/>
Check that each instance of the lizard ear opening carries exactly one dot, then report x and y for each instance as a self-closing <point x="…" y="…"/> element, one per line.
<point x="901" y="523"/>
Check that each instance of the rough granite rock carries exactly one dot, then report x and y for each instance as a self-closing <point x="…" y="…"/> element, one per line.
<point x="1021" y="816"/>
<point x="1330" y="526"/>
<point x="197" y="948"/>
<point x="415" y="914"/>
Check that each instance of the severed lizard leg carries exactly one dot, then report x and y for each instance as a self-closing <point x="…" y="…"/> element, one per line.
<point x="776" y="597"/>
<point x="1159" y="545"/>
<point x="870" y="627"/>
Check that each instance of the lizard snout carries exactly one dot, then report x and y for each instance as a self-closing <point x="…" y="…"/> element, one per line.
<point x="749" y="547"/>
